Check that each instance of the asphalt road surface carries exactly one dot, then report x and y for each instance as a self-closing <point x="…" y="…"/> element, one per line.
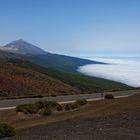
<point x="12" y="103"/>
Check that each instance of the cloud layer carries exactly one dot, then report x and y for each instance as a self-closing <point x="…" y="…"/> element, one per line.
<point x="122" y="70"/>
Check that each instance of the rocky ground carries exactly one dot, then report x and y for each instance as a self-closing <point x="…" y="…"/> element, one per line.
<point x="118" y="119"/>
<point x="124" y="126"/>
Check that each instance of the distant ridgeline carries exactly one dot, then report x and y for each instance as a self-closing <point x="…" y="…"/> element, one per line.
<point x="46" y="59"/>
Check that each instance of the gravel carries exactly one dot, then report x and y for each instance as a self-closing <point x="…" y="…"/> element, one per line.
<point x="125" y="126"/>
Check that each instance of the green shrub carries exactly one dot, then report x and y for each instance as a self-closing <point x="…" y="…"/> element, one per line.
<point x="46" y="111"/>
<point x="75" y="105"/>
<point x="43" y="104"/>
<point x="71" y="106"/>
<point x="6" y="130"/>
<point x="39" y="104"/>
<point x="51" y="104"/>
<point x="59" y="108"/>
<point x="19" y="108"/>
<point x="31" y="108"/>
<point x="27" y="108"/>
<point x="39" y="107"/>
<point x="109" y="96"/>
<point x="68" y="107"/>
<point x="81" y="102"/>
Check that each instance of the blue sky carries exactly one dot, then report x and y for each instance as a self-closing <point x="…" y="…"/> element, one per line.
<point x="73" y="27"/>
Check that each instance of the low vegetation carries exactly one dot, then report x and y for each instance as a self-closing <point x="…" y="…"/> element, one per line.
<point x="27" y="108"/>
<point x="75" y="105"/>
<point x="81" y="102"/>
<point x="71" y="106"/>
<point x="109" y="96"/>
<point x="59" y="108"/>
<point x="45" y="111"/>
<point x="85" y="84"/>
<point x="47" y="107"/>
<point x="6" y="130"/>
<point x="41" y="107"/>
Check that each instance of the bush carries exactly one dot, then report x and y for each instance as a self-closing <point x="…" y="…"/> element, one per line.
<point x="19" y="108"/>
<point x="68" y="107"/>
<point x="46" y="107"/>
<point x="71" y="106"/>
<point x="59" y="108"/>
<point x="75" y="105"/>
<point x="81" y="102"/>
<point x="43" y="104"/>
<point x="6" y="130"/>
<point x="45" y="111"/>
<point x="51" y="104"/>
<point x="109" y="96"/>
<point x="40" y="104"/>
<point x="27" y="108"/>
<point x="31" y="108"/>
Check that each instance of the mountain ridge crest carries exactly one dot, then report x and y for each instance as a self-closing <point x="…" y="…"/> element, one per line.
<point x="21" y="46"/>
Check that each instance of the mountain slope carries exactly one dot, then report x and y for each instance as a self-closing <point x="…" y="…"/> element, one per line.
<point x="60" y="67"/>
<point x="9" y="55"/>
<point x="40" y="57"/>
<point x="60" y="62"/>
<point x="20" y="81"/>
<point x="85" y="84"/>
<point x="22" y="47"/>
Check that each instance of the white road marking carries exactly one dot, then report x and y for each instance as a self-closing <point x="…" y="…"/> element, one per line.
<point x="7" y="108"/>
<point x="67" y="102"/>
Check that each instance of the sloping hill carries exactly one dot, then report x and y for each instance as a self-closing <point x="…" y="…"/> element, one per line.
<point x="84" y="83"/>
<point x="20" y="81"/>
<point x="47" y="65"/>
<point x="60" y="62"/>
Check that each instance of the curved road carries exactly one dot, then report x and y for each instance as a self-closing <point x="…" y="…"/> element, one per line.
<point x="12" y="103"/>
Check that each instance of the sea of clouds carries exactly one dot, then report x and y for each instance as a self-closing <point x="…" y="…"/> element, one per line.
<point x="118" y="69"/>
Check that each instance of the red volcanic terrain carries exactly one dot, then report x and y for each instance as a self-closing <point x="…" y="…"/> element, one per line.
<point x="20" y="81"/>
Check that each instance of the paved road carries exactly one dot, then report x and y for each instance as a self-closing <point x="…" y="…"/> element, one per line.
<point x="12" y="103"/>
